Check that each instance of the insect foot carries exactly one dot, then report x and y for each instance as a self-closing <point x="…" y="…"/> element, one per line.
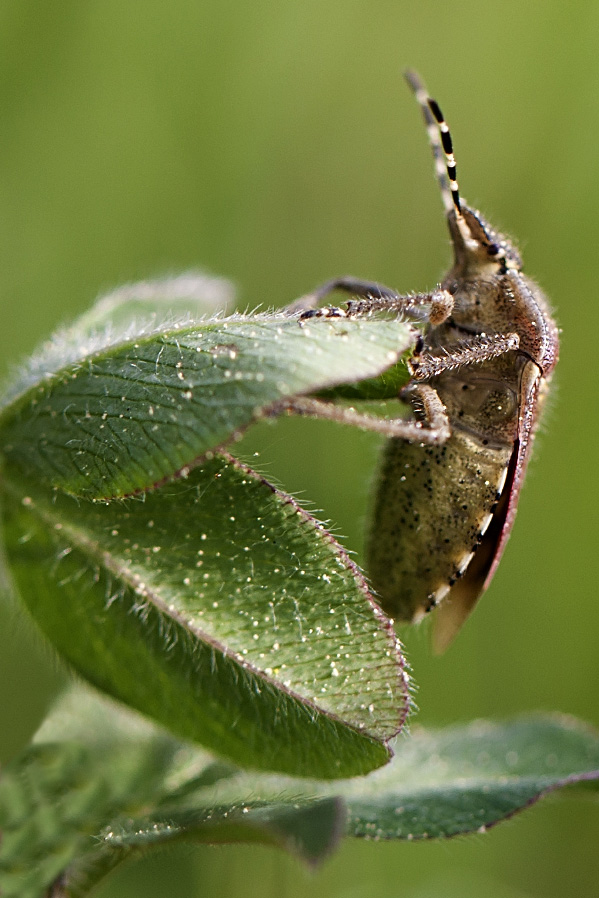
<point x="450" y="479"/>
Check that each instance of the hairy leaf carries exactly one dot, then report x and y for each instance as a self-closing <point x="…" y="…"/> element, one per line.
<point x="111" y="416"/>
<point x="114" y="786"/>
<point x="220" y="609"/>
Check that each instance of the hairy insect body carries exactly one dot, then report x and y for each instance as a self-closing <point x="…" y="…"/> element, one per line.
<point x="442" y="512"/>
<point x="450" y="478"/>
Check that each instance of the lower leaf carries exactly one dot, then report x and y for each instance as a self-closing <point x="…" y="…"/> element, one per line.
<point x="75" y="809"/>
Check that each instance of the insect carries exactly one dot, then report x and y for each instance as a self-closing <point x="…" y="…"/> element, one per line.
<point x="450" y="476"/>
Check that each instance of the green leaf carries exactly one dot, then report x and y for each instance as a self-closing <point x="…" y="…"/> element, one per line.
<point x="109" y="416"/>
<point x="459" y="780"/>
<point x="55" y="798"/>
<point x="374" y="389"/>
<point x="113" y="786"/>
<point x="220" y="609"/>
<point x="74" y="806"/>
<point x="467" y="778"/>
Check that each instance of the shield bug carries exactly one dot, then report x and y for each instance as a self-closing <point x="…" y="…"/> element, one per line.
<point x="450" y="477"/>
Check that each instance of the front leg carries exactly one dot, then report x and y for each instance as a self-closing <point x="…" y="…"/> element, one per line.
<point x="434" y="307"/>
<point x="347" y="284"/>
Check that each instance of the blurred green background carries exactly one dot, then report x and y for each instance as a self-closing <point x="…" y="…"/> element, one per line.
<point x="275" y="143"/>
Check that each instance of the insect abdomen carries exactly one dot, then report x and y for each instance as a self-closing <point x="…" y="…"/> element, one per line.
<point x="433" y="505"/>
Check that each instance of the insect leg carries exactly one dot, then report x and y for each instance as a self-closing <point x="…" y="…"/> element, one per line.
<point x="346" y="283"/>
<point x="434" y="307"/>
<point x="430" y="427"/>
<point x="481" y="348"/>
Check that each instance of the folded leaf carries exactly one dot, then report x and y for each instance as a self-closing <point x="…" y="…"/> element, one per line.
<point x="220" y="609"/>
<point x="117" y="416"/>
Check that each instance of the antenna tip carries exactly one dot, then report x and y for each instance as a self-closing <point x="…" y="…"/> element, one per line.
<point x="414" y="80"/>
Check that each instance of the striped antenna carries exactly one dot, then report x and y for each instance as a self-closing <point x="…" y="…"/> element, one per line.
<point x="441" y="145"/>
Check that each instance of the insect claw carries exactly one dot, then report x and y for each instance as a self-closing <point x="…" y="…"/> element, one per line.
<point x="324" y="312"/>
